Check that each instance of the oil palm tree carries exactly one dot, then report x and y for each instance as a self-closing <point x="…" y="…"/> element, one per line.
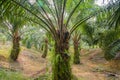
<point x="114" y="17"/>
<point x="55" y="17"/>
<point x="76" y="42"/>
<point x="110" y="36"/>
<point x="12" y="20"/>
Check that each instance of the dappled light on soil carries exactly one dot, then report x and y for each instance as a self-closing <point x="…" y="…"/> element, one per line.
<point x="92" y="67"/>
<point x="29" y="63"/>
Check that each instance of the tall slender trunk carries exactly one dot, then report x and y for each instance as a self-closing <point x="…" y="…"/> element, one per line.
<point x="16" y="46"/>
<point x="61" y="65"/>
<point x="76" y="52"/>
<point x="45" y="48"/>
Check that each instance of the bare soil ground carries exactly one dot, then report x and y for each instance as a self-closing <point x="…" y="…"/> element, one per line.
<point x="30" y="64"/>
<point x="93" y="66"/>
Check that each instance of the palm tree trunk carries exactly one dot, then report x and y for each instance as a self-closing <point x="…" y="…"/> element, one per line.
<point x="61" y="65"/>
<point x="76" y="53"/>
<point x="16" y="47"/>
<point x="45" y="49"/>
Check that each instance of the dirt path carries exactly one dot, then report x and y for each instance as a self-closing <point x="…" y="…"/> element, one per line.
<point x="93" y="67"/>
<point x="30" y="64"/>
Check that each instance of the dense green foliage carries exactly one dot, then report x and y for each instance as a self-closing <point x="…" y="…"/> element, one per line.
<point x="108" y="39"/>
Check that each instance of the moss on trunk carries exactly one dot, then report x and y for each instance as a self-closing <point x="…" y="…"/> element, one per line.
<point x="76" y="42"/>
<point x="61" y="69"/>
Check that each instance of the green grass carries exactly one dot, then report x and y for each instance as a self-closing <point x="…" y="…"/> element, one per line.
<point x="43" y="77"/>
<point x="48" y="77"/>
<point x="5" y="51"/>
<point x="10" y="75"/>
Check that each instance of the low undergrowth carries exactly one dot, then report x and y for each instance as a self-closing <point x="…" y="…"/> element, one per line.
<point x="10" y="75"/>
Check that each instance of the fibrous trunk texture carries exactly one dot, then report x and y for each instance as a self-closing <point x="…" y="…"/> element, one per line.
<point x="16" y="47"/>
<point x="45" y="49"/>
<point x="61" y="65"/>
<point x="76" y="53"/>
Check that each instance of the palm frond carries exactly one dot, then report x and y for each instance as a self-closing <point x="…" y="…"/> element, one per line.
<point x="112" y="50"/>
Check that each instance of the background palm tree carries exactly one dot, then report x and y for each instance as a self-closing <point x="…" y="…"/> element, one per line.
<point x="45" y="48"/>
<point x="110" y="21"/>
<point x="13" y="20"/>
<point x="76" y="42"/>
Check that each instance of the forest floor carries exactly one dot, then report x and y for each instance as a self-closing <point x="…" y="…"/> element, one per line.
<point x="94" y="67"/>
<point x="30" y="63"/>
